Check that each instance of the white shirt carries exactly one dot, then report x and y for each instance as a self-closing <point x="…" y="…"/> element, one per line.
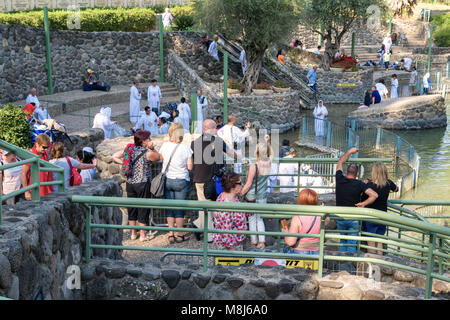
<point x="62" y="162"/>
<point x="317" y="51"/>
<point x="212" y="50"/>
<point x="381" y="88"/>
<point x="167" y="19"/>
<point x="394" y="82"/>
<point x="34" y="99"/>
<point x="184" y="110"/>
<point x="42" y="114"/>
<point x="407" y="63"/>
<point x="11" y="178"/>
<point x="149" y="121"/>
<point x="177" y="168"/>
<point x="243" y="57"/>
<point x="413" y="78"/>
<point x="231" y="134"/>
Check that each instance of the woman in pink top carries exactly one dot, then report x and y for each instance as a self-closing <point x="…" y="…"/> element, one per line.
<point x="304" y="224"/>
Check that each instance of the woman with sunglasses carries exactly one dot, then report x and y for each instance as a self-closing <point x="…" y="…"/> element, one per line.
<point x="232" y="186"/>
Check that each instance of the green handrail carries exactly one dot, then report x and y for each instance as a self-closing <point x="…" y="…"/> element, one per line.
<point x="436" y="233"/>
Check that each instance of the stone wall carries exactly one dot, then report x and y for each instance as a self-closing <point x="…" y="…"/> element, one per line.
<point x="418" y="112"/>
<point x="39" y="240"/>
<point x="181" y="280"/>
<point x="328" y="81"/>
<point x="86" y="138"/>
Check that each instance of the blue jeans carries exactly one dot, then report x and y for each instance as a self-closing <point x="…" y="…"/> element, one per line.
<point x="348" y="225"/>
<point x="308" y="252"/>
<point x="176" y="189"/>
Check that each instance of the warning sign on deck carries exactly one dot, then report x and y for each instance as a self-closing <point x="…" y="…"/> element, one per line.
<point x="346" y="84"/>
<point x="288" y="263"/>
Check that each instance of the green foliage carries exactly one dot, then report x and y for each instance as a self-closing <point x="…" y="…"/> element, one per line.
<point x="441" y="33"/>
<point x="281" y="84"/>
<point x="234" y="84"/>
<point x="402" y="6"/>
<point x="14" y="127"/>
<point x="98" y="19"/>
<point x="183" y="22"/>
<point x="187" y="10"/>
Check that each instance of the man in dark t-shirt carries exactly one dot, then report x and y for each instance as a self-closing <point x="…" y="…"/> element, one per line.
<point x="348" y="194"/>
<point x="376" y="97"/>
<point x="209" y="154"/>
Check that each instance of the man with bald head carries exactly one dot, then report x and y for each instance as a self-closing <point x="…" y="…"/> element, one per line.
<point x="234" y="137"/>
<point x="209" y="151"/>
<point x="32" y="97"/>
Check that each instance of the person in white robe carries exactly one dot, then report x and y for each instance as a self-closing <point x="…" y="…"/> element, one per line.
<point x="135" y="102"/>
<point x="394" y="87"/>
<point x="167" y="18"/>
<point x="320" y="113"/>
<point x="149" y="120"/>
<point x="426" y="83"/>
<point x="273" y="180"/>
<point x="213" y="49"/>
<point x="387" y="41"/>
<point x="41" y="113"/>
<point x="164" y="129"/>
<point x="289" y="168"/>
<point x="202" y="103"/>
<point x="185" y="114"/>
<point x="32" y="97"/>
<point x="234" y="138"/>
<point x="103" y="121"/>
<point x="154" y="96"/>
<point x="243" y="60"/>
<point x="381" y="88"/>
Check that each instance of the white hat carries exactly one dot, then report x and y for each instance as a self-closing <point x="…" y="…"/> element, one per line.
<point x="5" y="152"/>
<point x="88" y="149"/>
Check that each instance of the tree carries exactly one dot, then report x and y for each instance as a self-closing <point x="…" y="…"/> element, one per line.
<point x="14" y="127"/>
<point x="257" y="24"/>
<point x="336" y="18"/>
<point x="399" y="5"/>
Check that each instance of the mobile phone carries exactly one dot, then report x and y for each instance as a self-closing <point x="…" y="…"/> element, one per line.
<point x="284" y="224"/>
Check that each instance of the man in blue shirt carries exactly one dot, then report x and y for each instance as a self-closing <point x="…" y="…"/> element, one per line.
<point x="376" y="98"/>
<point x="312" y="75"/>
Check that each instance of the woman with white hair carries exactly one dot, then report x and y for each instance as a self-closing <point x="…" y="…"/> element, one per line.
<point x="167" y="18"/>
<point x="320" y="112"/>
<point x="102" y="120"/>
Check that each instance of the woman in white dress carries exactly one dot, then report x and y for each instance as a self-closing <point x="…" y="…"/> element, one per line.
<point x="320" y="113"/>
<point x="135" y="102"/>
<point x="289" y="168"/>
<point x="185" y="114"/>
<point x="154" y="96"/>
<point x="394" y="87"/>
<point x="167" y="18"/>
<point x="212" y="50"/>
<point x="103" y="121"/>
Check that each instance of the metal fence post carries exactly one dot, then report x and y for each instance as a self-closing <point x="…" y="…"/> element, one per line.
<point x="321" y="245"/>
<point x="353" y="44"/>
<point x="328" y="133"/>
<point x="303" y="128"/>
<point x="441" y="268"/>
<point x="193" y="112"/>
<point x="397" y="154"/>
<point x="430" y="265"/>
<point x="438" y="81"/>
<point x="161" y="49"/>
<point x="429" y="49"/>
<point x="48" y="56"/>
<point x="88" y="235"/>
<point x="205" y="240"/>
<point x="61" y="187"/>
<point x="378" y="141"/>
<point x="225" y="87"/>
<point x="35" y="179"/>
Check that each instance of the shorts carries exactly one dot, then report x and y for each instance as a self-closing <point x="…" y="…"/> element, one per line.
<point x="374" y="228"/>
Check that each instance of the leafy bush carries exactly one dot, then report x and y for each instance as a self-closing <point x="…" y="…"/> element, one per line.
<point x="343" y="61"/>
<point x="281" y="84"/>
<point x="234" y="84"/>
<point x="187" y="10"/>
<point x="262" y="86"/>
<point x="183" y="22"/>
<point x="14" y="127"/>
<point x="441" y="33"/>
<point x="98" y="19"/>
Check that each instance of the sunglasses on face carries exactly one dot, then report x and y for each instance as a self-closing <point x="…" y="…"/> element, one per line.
<point x="45" y="147"/>
<point x="238" y="184"/>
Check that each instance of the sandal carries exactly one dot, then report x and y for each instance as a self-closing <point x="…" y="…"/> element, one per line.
<point x="148" y="237"/>
<point x="173" y="239"/>
<point x="134" y="236"/>
<point x="183" y="238"/>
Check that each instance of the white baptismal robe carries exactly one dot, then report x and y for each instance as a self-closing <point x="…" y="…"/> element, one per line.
<point x="135" y="104"/>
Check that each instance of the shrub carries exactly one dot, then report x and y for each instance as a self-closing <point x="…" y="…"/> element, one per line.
<point x="187" y="10"/>
<point x="183" y="22"/>
<point x="441" y="33"/>
<point x="14" y="127"/>
<point x="262" y="86"/>
<point x="234" y="84"/>
<point x="281" y="84"/>
<point x="98" y="19"/>
<point x="343" y="61"/>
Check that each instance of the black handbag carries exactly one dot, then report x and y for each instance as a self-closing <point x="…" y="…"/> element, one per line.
<point x="158" y="184"/>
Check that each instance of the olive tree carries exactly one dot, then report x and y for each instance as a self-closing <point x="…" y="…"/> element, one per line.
<point x="257" y="24"/>
<point x="333" y="19"/>
<point x="400" y="6"/>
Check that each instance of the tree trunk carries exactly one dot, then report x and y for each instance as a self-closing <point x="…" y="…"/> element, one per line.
<point x="330" y="50"/>
<point x="254" y="63"/>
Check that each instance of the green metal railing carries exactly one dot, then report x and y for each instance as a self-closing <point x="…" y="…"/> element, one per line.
<point x="434" y="253"/>
<point x="36" y="166"/>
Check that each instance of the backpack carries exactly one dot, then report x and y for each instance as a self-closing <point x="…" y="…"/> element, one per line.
<point x="127" y="165"/>
<point x="75" y="176"/>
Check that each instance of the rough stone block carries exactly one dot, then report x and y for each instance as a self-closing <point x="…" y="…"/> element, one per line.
<point x="5" y="272"/>
<point x="235" y="282"/>
<point x="331" y="284"/>
<point x="201" y="280"/>
<point x="171" y="277"/>
<point x="373" y="295"/>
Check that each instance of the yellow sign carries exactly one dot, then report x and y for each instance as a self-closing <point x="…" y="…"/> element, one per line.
<point x="290" y="263"/>
<point x="346" y="85"/>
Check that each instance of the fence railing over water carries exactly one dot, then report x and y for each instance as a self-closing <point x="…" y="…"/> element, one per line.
<point x="431" y="251"/>
<point x="36" y="166"/>
<point x="375" y="141"/>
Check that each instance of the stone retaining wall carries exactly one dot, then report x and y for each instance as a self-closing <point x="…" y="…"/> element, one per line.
<point x="328" y="81"/>
<point x="181" y="280"/>
<point x="418" y="112"/>
<point x="39" y="240"/>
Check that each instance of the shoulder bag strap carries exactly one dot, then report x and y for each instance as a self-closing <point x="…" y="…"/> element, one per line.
<point x="299" y="238"/>
<point x="170" y="159"/>
<point x="69" y="163"/>
<point x="138" y="157"/>
<point x="256" y="183"/>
